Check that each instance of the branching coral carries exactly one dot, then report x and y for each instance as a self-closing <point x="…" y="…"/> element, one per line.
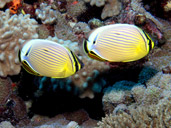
<point x="14" y="30"/>
<point x="46" y="14"/>
<point x="145" y="106"/>
<point x="63" y="23"/>
<point x="119" y="93"/>
<point x="153" y="116"/>
<point x="3" y="2"/>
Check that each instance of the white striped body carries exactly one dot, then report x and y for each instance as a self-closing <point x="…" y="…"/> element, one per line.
<point x="47" y="58"/>
<point x="118" y="43"/>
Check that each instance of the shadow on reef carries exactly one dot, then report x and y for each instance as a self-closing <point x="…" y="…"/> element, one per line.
<point x="90" y="13"/>
<point x="154" y="6"/>
<point x="50" y="101"/>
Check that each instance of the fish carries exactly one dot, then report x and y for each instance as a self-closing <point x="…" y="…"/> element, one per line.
<point x="47" y="58"/>
<point x="118" y="43"/>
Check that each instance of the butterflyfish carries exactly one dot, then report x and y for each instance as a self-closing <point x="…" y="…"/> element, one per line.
<point x="47" y="58"/>
<point x="118" y="43"/>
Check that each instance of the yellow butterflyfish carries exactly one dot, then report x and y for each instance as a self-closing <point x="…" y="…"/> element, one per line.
<point x="47" y="58"/>
<point x="118" y="43"/>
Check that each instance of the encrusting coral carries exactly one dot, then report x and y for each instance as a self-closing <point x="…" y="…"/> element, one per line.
<point x="5" y="87"/>
<point x="3" y="3"/>
<point x="14" y="30"/>
<point x="77" y="119"/>
<point x="111" y="7"/>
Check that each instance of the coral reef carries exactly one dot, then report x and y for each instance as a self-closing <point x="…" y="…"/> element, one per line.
<point x="95" y="23"/>
<point x="75" y="119"/>
<point x="46" y="14"/>
<point x="3" y="2"/>
<point x="130" y="98"/>
<point x="14" y="30"/>
<point x="152" y="116"/>
<point x="6" y="91"/>
<point x="74" y="10"/>
<point x="6" y="124"/>
<point x="167" y="7"/>
<point x="150" y="102"/>
<point x="111" y="7"/>
<point x="12" y="107"/>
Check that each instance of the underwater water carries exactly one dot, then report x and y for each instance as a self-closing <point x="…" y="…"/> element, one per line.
<point x="85" y="63"/>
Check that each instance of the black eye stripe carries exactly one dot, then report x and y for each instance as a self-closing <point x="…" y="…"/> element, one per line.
<point x="19" y="55"/>
<point x="28" y="51"/>
<point x="150" y="43"/>
<point x="85" y="46"/>
<point x="95" y="39"/>
<point x="76" y="62"/>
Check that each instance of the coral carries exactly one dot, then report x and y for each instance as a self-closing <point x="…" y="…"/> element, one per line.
<point x="3" y="2"/>
<point x="137" y="7"/>
<point x="167" y="7"/>
<point x="167" y="69"/>
<point x="95" y="23"/>
<point x="111" y="7"/>
<point x="81" y="27"/>
<point x="152" y="116"/>
<point x="65" y="33"/>
<point x="66" y="120"/>
<point x="119" y="93"/>
<point x="74" y="10"/>
<point x="14" y="30"/>
<point x="134" y="94"/>
<point x="148" y="96"/>
<point x="43" y="32"/>
<point x="160" y="61"/>
<point x="98" y="3"/>
<point x="161" y="80"/>
<point x="6" y="124"/>
<point x="6" y="90"/>
<point x="71" y="31"/>
<point x="14" y="110"/>
<point x="46" y="14"/>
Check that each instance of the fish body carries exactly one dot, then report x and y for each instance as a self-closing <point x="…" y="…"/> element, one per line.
<point x="47" y="58"/>
<point x="118" y="43"/>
